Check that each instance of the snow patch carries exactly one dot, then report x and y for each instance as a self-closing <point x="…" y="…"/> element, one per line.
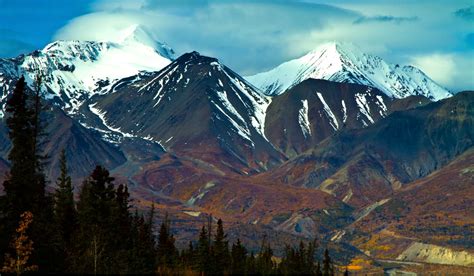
<point x="344" y="111"/>
<point x="303" y="119"/>
<point x="333" y="121"/>
<point x="101" y="115"/>
<point x="363" y="106"/>
<point x="192" y="213"/>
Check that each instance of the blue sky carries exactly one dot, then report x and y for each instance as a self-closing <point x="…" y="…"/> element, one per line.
<point x="253" y="36"/>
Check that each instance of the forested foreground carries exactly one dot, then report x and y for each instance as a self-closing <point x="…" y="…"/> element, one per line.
<point x="101" y="232"/>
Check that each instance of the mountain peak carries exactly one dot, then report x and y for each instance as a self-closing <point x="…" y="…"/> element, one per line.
<point x="345" y="62"/>
<point x="138" y="34"/>
<point x="195" y="57"/>
<point x="75" y="70"/>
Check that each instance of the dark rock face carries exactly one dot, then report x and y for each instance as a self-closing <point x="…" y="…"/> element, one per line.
<point x="84" y="147"/>
<point x="374" y="161"/>
<point x="195" y="107"/>
<point x="313" y="110"/>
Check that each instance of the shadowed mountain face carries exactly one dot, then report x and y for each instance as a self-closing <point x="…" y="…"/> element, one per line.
<point x="84" y="147"/>
<point x="195" y="107"/>
<point x="365" y="165"/>
<point x="313" y="110"/>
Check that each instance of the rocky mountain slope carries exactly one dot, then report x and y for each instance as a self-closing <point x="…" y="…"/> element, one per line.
<point x="84" y="148"/>
<point x="316" y="109"/>
<point x="428" y="220"/>
<point x="363" y="166"/>
<point x="195" y="107"/>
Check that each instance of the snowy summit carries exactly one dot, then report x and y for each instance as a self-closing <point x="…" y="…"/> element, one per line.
<point x="345" y="62"/>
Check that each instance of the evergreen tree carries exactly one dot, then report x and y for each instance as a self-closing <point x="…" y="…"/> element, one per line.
<point x="251" y="265"/>
<point x="299" y="261"/>
<point x="238" y="258"/>
<point x="96" y="201"/>
<point x="64" y="206"/>
<point x="328" y="268"/>
<point x="220" y="250"/>
<point x="25" y="184"/>
<point x="120" y="240"/>
<point x="203" y="252"/>
<point x="166" y="250"/>
<point x="187" y="257"/>
<point x="318" y="269"/>
<point x="264" y="263"/>
<point x="23" y="191"/>
<point x="143" y="252"/>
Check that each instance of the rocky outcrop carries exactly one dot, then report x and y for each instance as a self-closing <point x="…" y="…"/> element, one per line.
<point x="429" y="253"/>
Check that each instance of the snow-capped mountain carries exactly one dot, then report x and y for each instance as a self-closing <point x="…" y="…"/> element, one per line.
<point x="194" y="106"/>
<point x="344" y="62"/>
<point x="73" y="71"/>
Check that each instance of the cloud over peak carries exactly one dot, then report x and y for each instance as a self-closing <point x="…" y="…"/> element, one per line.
<point x="256" y="35"/>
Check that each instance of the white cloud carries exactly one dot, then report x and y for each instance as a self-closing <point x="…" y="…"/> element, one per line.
<point x="99" y="26"/>
<point x="252" y="36"/>
<point x="440" y="67"/>
<point x="455" y="71"/>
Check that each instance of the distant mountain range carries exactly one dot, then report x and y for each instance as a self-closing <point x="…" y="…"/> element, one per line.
<point x="308" y="149"/>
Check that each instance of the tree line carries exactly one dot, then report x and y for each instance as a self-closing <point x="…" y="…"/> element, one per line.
<point x="100" y="233"/>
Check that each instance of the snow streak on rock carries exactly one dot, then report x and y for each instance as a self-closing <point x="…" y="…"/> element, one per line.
<point x="332" y="119"/>
<point x="304" y="120"/>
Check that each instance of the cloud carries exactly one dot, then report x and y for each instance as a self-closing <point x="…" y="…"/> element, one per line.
<point x="246" y="35"/>
<point x="453" y="70"/>
<point x="465" y="13"/>
<point x="385" y="19"/>
<point x="254" y="36"/>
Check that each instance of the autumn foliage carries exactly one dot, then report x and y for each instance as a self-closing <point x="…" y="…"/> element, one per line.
<point x="23" y="247"/>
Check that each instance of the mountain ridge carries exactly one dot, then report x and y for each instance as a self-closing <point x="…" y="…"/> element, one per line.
<point x="73" y="71"/>
<point x="345" y="62"/>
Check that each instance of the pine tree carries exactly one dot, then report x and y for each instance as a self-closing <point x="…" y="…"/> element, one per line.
<point x="64" y="206"/>
<point x="23" y="191"/>
<point x="95" y="207"/>
<point x="328" y="269"/>
<point x="203" y="252"/>
<point x="220" y="250"/>
<point x="166" y="250"/>
<point x="25" y="184"/>
<point x="187" y="257"/>
<point x="318" y="269"/>
<point x="119" y="238"/>
<point x="264" y="263"/>
<point x="143" y="251"/>
<point x="23" y="247"/>
<point x="251" y="265"/>
<point x="238" y="258"/>
<point x="299" y="261"/>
